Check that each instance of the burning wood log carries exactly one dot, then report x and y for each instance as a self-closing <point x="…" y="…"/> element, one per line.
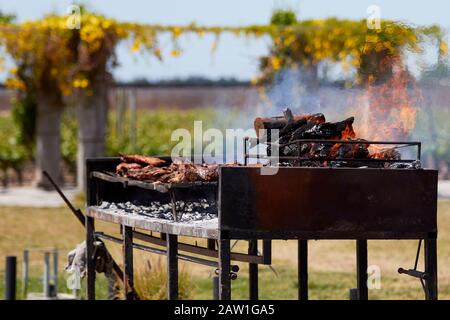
<point x="325" y="130"/>
<point x="293" y="129"/>
<point x="286" y="123"/>
<point x="386" y="154"/>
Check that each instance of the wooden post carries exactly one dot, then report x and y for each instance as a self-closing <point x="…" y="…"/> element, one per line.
<point x="128" y="278"/>
<point x="253" y="270"/>
<point x="224" y="268"/>
<point x="303" y="269"/>
<point x="431" y="283"/>
<point x="361" y="269"/>
<point x="172" y="267"/>
<point x="90" y="263"/>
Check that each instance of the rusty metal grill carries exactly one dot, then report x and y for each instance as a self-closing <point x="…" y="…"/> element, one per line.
<point x="299" y="202"/>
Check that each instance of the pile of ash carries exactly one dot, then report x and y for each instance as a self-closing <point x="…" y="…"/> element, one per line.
<point x="187" y="211"/>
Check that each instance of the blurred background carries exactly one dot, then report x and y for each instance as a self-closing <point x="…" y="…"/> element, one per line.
<point x="101" y="78"/>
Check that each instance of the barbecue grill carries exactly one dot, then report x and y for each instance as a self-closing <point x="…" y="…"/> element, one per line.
<point x="331" y="201"/>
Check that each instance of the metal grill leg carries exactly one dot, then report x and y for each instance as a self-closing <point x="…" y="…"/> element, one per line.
<point x="253" y="270"/>
<point x="172" y="267"/>
<point x="90" y="229"/>
<point x="224" y="269"/>
<point x="361" y="269"/>
<point x="431" y="283"/>
<point x="128" y="280"/>
<point x="303" y="269"/>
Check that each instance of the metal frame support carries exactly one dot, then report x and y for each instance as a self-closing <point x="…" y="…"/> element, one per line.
<point x="46" y="275"/>
<point x="224" y="268"/>
<point x="90" y="238"/>
<point x="55" y="270"/>
<point x="431" y="282"/>
<point x="10" y="277"/>
<point x="215" y="282"/>
<point x="172" y="267"/>
<point x="361" y="269"/>
<point x="303" y="269"/>
<point x="128" y="277"/>
<point x="253" y="271"/>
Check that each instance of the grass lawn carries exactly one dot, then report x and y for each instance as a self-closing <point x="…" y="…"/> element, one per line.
<point x="331" y="263"/>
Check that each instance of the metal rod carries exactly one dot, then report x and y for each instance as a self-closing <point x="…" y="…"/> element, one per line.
<point x="76" y="211"/>
<point x="172" y="267"/>
<point x="80" y="216"/>
<point x="413" y="273"/>
<point x="431" y="283"/>
<point x="10" y="277"/>
<point x="419" y="151"/>
<point x="90" y="259"/>
<point x="331" y="159"/>
<point x="325" y="141"/>
<point x="138" y="246"/>
<point x="253" y="270"/>
<point x="55" y="271"/>
<point x="245" y="150"/>
<point x="303" y="269"/>
<point x="127" y="248"/>
<point x="417" y="254"/>
<point x="224" y="268"/>
<point x="215" y="281"/>
<point x="46" y="275"/>
<point x="235" y="256"/>
<point x="211" y="244"/>
<point x="361" y="269"/>
<point x="267" y="251"/>
<point x="25" y="273"/>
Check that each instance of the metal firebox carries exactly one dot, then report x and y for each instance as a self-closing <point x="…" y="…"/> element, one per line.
<point x="328" y="203"/>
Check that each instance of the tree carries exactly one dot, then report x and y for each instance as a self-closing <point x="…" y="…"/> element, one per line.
<point x="39" y="49"/>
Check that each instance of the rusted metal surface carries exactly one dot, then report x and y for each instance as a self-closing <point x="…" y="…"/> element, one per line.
<point x="296" y="203"/>
<point x="335" y="203"/>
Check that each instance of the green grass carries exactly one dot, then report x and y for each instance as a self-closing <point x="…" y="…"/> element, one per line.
<point x="322" y="286"/>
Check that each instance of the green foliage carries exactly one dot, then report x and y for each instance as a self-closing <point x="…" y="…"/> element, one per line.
<point x="69" y="128"/>
<point x="432" y="129"/>
<point x="152" y="134"/>
<point x="6" y="17"/>
<point x="282" y="17"/>
<point x="153" y="130"/>
<point x="24" y="117"/>
<point x="12" y="153"/>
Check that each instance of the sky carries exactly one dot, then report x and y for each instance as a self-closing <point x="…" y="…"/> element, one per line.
<point x="234" y="57"/>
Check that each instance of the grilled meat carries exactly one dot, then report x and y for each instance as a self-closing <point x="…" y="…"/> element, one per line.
<point x="143" y="160"/>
